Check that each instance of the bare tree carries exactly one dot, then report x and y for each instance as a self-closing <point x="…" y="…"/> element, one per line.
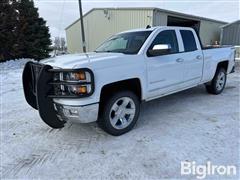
<point x="63" y="43"/>
<point x="57" y="44"/>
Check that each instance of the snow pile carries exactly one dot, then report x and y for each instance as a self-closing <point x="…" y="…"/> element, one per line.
<point x="14" y="64"/>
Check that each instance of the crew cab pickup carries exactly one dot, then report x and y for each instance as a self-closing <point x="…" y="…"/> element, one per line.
<point x="109" y="84"/>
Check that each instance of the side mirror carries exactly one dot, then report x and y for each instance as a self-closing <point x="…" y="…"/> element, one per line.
<point x="159" y="49"/>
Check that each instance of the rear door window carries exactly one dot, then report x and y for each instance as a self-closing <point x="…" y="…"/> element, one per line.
<point x="188" y="40"/>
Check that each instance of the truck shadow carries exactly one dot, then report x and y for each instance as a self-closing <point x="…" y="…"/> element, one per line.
<point x="163" y="106"/>
<point x="174" y="103"/>
<point x="158" y="111"/>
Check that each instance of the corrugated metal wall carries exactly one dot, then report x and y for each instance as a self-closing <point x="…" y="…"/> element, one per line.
<point x="231" y="34"/>
<point x="209" y="31"/>
<point x="73" y="36"/>
<point x="159" y="18"/>
<point x="100" y="26"/>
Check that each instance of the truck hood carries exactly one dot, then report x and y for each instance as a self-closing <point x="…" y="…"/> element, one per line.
<point x="80" y="60"/>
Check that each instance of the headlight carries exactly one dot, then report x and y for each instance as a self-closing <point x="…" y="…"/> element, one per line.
<point x="84" y="80"/>
<point x="73" y="83"/>
<point x="80" y="89"/>
<point x="78" y="76"/>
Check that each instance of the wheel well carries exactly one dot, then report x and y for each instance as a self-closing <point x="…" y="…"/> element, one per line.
<point x="133" y="85"/>
<point x="223" y="64"/>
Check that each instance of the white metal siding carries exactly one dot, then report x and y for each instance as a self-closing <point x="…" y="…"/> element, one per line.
<point x="231" y="34"/>
<point x="74" y="38"/>
<point x="99" y="27"/>
<point x="209" y="32"/>
<point x="159" y="18"/>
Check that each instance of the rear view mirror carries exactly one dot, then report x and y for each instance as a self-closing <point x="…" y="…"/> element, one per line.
<point x="159" y="49"/>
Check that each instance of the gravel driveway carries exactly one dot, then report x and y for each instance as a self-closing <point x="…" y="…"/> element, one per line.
<point x="188" y="126"/>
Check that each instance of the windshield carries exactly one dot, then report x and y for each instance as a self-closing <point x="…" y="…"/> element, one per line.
<point x="127" y="43"/>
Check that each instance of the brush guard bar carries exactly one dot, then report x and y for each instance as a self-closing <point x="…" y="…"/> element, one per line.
<point x="40" y="88"/>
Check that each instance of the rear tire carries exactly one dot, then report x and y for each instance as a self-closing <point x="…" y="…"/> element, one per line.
<point x="217" y="85"/>
<point x="119" y="113"/>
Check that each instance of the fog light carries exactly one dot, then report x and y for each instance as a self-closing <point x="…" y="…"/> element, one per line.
<point x="70" y="111"/>
<point x="73" y="112"/>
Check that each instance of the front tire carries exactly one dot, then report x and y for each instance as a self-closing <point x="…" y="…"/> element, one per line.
<point x="217" y="85"/>
<point x="119" y="113"/>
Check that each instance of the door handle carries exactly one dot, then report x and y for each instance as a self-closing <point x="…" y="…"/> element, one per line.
<point x="179" y="60"/>
<point x="199" y="57"/>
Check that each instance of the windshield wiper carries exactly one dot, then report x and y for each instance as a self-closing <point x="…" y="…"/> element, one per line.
<point x="108" y="52"/>
<point x="123" y="52"/>
<point x="102" y="51"/>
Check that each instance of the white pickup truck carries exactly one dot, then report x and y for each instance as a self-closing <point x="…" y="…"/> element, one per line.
<point x="109" y="84"/>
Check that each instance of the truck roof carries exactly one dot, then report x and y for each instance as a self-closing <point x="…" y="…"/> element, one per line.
<point x="156" y="27"/>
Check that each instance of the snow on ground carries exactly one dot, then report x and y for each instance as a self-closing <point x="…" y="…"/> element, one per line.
<point x="187" y="126"/>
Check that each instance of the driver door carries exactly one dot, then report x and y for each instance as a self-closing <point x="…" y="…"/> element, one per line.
<point x="165" y="72"/>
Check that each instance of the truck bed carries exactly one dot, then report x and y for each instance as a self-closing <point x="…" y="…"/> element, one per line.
<point x="214" y="47"/>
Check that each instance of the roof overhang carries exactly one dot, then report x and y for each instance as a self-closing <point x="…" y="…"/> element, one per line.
<point x="229" y="24"/>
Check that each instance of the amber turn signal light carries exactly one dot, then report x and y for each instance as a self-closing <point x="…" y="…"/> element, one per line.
<point x="81" y="90"/>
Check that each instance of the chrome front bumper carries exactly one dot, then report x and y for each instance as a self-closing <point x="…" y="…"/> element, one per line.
<point x="77" y="114"/>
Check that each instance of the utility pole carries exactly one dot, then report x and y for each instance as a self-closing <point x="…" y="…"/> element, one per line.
<point x="82" y="27"/>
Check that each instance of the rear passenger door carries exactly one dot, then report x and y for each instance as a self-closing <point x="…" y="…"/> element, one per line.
<point x="193" y="58"/>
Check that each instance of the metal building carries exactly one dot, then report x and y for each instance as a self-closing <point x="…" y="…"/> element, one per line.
<point x="231" y="34"/>
<point x="101" y="23"/>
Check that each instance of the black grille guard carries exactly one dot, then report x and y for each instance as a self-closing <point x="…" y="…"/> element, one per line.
<point x="38" y="86"/>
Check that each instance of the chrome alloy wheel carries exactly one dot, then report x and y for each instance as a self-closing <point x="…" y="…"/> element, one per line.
<point x="122" y="112"/>
<point x="221" y="78"/>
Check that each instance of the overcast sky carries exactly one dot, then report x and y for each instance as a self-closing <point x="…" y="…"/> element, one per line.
<point x="60" y="13"/>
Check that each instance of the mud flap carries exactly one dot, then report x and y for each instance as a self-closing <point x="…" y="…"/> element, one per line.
<point x="45" y="104"/>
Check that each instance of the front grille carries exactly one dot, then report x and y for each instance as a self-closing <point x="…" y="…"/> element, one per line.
<point x="58" y="91"/>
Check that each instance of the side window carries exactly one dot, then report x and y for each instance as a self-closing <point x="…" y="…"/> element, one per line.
<point x="167" y="37"/>
<point x="188" y="40"/>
